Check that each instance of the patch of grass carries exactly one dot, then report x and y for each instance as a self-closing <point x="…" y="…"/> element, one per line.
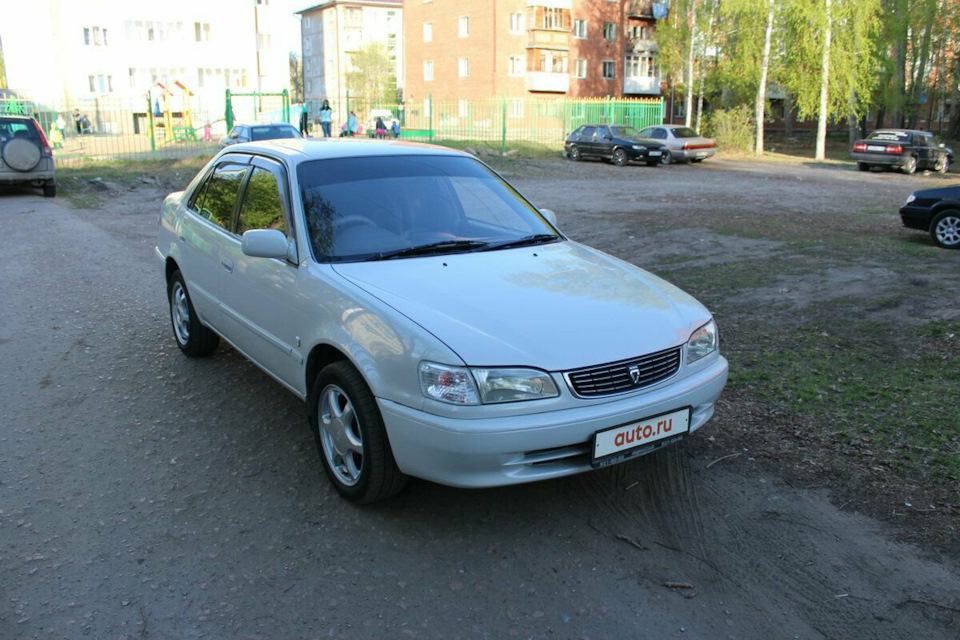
<point x="82" y="184"/>
<point x="521" y="149"/>
<point x="896" y="411"/>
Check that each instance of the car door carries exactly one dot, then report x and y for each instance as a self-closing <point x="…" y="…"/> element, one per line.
<point x="927" y="151"/>
<point x="587" y="142"/>
<point x="604" y="142"/>
<point x="204" y="229"/>
<point x="258" y="295"/>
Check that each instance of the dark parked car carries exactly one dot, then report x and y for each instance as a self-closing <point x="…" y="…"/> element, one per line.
<point x="254" y="132"/>
<point x="906" y="149"/>
<point x="25" y="155"/>
<point x="615" y="142"/>
<point x="936" y="211"/>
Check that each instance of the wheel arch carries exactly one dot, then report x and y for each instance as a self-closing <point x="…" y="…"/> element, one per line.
<point x="319" y="357"/>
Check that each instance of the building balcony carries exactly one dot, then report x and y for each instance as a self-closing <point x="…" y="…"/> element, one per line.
<point x="642" y="44"/>
<point x="548" y="39"/>
<point x="546" y="81"/>
<point x="645" y="85"/>
<point x="640" y="9"/>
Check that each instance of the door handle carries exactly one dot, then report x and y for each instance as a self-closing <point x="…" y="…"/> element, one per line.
<point x="227" y="265"/>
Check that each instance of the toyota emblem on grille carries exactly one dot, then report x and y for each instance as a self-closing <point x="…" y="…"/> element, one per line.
<point x="635" y="373"/>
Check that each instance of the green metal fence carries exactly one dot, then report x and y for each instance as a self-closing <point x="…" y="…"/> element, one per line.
<point x="189" y="127"/>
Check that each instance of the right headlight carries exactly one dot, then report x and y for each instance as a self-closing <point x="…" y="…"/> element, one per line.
<point x="480" y="385"/>
<point x="703" y="342"/>
<point x="911" y="198"/>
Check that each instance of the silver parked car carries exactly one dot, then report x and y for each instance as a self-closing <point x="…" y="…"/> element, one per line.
<point x="436" y="323"/>
<point x="683" y="144"/>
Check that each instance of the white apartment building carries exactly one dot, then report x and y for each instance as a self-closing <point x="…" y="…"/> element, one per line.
<point x="333" y="30"/>
<point x="71" y="54"/>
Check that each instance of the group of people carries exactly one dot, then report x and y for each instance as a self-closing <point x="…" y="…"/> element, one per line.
<point x="58" y="128"/>
<point x="350" y="128"/>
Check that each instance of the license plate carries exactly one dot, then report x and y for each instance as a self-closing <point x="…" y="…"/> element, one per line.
<point x="617" y="444"/>
<point x="701" y="154"/>
<point x="654" y="153"/>
<point x="875" y="147"/>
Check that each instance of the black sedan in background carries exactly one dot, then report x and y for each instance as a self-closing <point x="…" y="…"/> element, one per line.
<point x="936" y="211"/>
<point x="253" y="132"/>
<point x="906" y="149"/>
<point x="617" y="143"/>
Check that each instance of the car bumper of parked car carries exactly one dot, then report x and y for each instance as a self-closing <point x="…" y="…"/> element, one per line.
<point x="499" y="451"/>
<point x="684" y="155"/>
<point x="914" y="218"/>
<point x="878" y="159"/>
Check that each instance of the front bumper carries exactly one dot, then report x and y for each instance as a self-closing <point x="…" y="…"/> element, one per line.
<point x="489" y="452"/>
<point x="916" y="218"/>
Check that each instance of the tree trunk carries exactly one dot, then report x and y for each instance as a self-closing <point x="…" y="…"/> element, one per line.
<point x="703" y="75"/>
<point x="693" y="38"/>
<point x="919" y="80"/>
<point x="788" y="115"/>
<point x="954" y="98"/>
<point x="821" y="152"/>
<point x="761" y="103"/>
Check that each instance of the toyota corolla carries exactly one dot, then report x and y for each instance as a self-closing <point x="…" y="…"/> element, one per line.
<point x="435" y="322"/>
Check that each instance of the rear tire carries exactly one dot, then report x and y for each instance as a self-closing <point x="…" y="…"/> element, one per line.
<point x="194" y="339"/>
<point x="351" y="438"/>
<point x="863" y="166"/>
<point x="911" y="165"/>
<point x="49" y="190"/>
<point x="945" y="229"/>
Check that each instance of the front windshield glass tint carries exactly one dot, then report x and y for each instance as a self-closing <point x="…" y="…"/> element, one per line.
<point x="625" y="132"/>
<point x="365" y="208"/>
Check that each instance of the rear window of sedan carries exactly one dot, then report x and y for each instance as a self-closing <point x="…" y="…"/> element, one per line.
<point x="273" y="133"/>
<point x="685" y="132"/>
<point x="895" y="136"/>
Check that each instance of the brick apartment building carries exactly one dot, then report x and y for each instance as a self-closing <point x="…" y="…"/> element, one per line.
<point x="462" y="49"/>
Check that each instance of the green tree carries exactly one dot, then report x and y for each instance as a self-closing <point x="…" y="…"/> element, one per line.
<point x="372" y="75"/>
<point x="3" y="69"/>
<point x="296" y="78"/>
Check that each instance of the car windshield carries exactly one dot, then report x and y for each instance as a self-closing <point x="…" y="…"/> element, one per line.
<point x="272" y="132"/>
<point x="625" y="132"/>
<point x="379" y="208"/>
<point x="685" y="132"/>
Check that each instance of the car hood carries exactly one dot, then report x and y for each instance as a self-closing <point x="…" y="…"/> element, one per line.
<point x="940" y="193"/>
<point x="556" y="307"/>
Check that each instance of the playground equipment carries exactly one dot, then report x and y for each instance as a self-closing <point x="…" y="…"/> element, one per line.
<point x="177" y="123"/>
<point x="264" y="107"/>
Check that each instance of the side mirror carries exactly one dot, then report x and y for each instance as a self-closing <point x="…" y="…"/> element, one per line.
<point x="268" y="243"/>
<point x="549" y="215"/>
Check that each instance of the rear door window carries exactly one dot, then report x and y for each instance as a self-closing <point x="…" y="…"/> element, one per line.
<point x="217" y="199"/>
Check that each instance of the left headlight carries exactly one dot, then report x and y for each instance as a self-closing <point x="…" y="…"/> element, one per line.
<point x="472" y="386"/>
<point x="703" y="342"/>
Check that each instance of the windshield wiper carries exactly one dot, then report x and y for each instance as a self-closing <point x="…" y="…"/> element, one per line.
<point x="526" y="241"/>
<point x="434" y="248"/>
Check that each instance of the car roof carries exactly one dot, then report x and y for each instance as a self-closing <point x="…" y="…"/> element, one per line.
<point x="919" y="131"/>
<point x="296" y="150"/>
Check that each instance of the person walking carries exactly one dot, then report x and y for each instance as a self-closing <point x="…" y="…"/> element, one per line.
<point x="352" y="125"/>
<point x="326" y="116"/>
<point x="78" y="121"/>
<point x="62" y="126"/>
<point x="304" y="118"/>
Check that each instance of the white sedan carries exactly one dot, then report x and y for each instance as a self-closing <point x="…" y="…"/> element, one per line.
<point x="435" y="322"/>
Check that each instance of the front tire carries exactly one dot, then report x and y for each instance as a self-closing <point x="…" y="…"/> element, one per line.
<point x="910" y="166"/>
<point x="192" y="337"/>
<point x="945" y="229"/>
<point x="619" y="157"/>
<point x="351" y="438"/>
<point x="666" y="158"/>
<point x="942" y="165"/>
<point x="574" y="153"/>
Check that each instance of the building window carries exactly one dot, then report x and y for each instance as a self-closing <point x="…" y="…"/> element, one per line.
<point x="552" y="62"/>
<point x="463" y="29"/>
<point x="201" y="31"/>
<point x="516" y="23"/>
<point x="515" y="66"/>
<point x="609" y="31"/>
<point x="463" y="67"/>
<point x="552" y="18"/>
<point x="516" y="108"/>
<point x="580" y="68"/>
<point x="353" y="16"/>
<point x="427" y="70"/>
<point x="100" y="84"/>
<point x="428" y="32"/>
<point x="95" y="36"/>
<point x="638" y="32"/>
<point x="463" y="107"/>
<point x="640" y="66"/>
<point x="609" y="69"/>
<point x="580" y="29"/>
<point x="679" y="109"/>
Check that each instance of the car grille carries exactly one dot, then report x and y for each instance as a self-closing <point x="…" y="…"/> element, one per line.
<point x="608" y="379"/>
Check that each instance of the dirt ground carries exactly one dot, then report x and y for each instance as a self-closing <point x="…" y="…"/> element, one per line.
<point x="147" y="495"/>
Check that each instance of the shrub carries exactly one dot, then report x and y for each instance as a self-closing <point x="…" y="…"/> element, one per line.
<point x="732" y="128"/>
